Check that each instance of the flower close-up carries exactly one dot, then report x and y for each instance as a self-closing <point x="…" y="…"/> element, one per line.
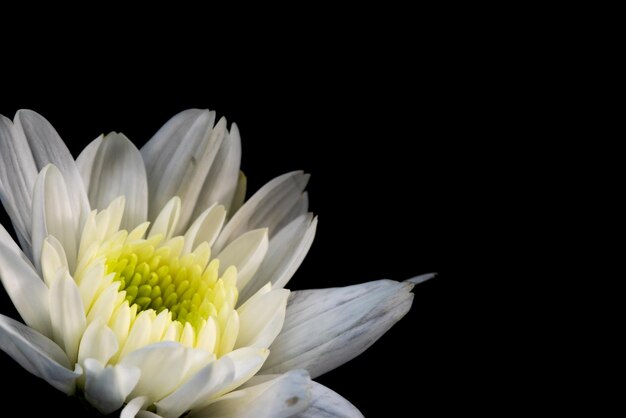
<point x="149" y="286"/>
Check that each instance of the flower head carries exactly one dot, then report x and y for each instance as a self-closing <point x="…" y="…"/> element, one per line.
<point x="147" y="285"/>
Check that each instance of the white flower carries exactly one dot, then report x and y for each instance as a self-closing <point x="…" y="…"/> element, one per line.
<point x="147" y="284"/>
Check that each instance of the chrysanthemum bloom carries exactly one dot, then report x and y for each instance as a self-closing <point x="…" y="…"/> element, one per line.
<point x="148" y="285"/>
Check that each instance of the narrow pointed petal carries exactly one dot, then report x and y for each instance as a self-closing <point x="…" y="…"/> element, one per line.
<point x="164" y="366"/>
<point x="214" y="380"/>
<point x="27" y="291"/>
<point x="285" y="396"/>
<point x="261" y="319"/>
<point x="67" y="315"/>
<point x="325" y="328"/>
<point x="286" y="252"/>
<point x="37" y="354"/>
<point x="205" y="228"/>
<point x="270" y="208"/>
<point x="326" y="403"/>
<point x="221" y="182"/>
<point x="178" y="159"/>
<point x="48" y="148"/>
<point x="18" y="173"/>
<point x="167" y="220"/>
<point x="240" y="194"/>
<point x="106" y="388"/>
<point x="113" y="167"/>
<point x="246" y="253"/>
<point x="53" y="214"/>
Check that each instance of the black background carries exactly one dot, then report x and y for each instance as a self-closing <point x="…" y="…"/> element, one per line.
<point x="385" y="139"/>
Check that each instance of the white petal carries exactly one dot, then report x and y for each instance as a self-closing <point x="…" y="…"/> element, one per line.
<point x="261" y="319"/>
<point x="270" y="207"/>
<point x="53" y="214"/>
<point x="286" y="252"/>
<point x="282" y="397"/>
<point x="106" y="388"/>
<point x="325" y="328"/>
<point x="133" y="407"/>
<point x="328" y="404"/>
<point x="27" y="291"/>
<point x="48" y="148"/>
<point x="205" y="228"/>
<point x="167" y="220"/>
<point x="221" y="182"/>
<point x="179" y="157"/>
<point x="67" y="315"/>
<point x="98" y="342"/>
<point x="147" y="414"/>
<point x="53" y="259"/>
<point x="37" y="354"/>
<point x="18" y="173"/>
<point x="164" y="366"/>
<point x="139" y="334"/>
<point x="245" y="253"/>
<point x="116" y="169"/>
<point x="214" y="380"/>
<point x="240" y="194"/>
<point x="84" y="162"/>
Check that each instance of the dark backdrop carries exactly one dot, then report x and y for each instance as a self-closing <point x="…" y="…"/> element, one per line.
<point x="384" y="140"/>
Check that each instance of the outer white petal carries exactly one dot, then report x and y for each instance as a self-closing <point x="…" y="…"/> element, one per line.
<point x="106" y="388"/>
<point x="147" y="414"/>
<point x="115" y="169"/>
<point x="221" y="182"/>
<point x="167" y="220"/>
<point x="328" y="404"/>
<point x="271" y="207"/>
<point x="164" y="366"/>
<point x="67" y="315"/>
<point x="240" y="194"/>
<point x="53" y="214"/>
<point x="205" y="228"/>
<point x="286" y="252"/>
<point x="23" y="285"/>
<point x="178" y="159"/>
<point x="37" y="354"/>
<point x="132" y="408"/>
<point x="282" y="397"/>
<point x="261" y="319"/>
<point x="98" y="343"/>
<point x="325" y="328"/>
<point x="48" y="148"/>
<point x="246" y="253"/>
<point x="18" y="173"/>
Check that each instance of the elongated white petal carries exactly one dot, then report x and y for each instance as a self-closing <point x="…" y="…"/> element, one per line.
<point x="261" y="319"/>
<point x="328" y="404"/>
<point x="53" y="214"/>
<point x="27" y="291"/>
<point x="53" y="259"/>
<point x="115" y="168"/>
<point x="48" y="148"/>
<point x="245" y="253"/>
<point x="240" y="194"/>
<point x="37" y="354"/>
<point x="132" y="408"/>
<point x="167" y="220"/>
<point x="164" y="366"/>
<point x="221" y="182"/>
<point x="286" y="252"/>
<point x="325" y="328"/>
<point x="282" y="397"/>
<point x="106" y="388"/>
<point x="98" y="343"/>
<point x="215" y="380"/>
<point x="67" y="315"/>
<point x="147" y="414"/>
<point x="178" y="159"/>
<point x="270" y="208"/>
<point x="205" y="228"/>
<point x="18" y="173"/>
